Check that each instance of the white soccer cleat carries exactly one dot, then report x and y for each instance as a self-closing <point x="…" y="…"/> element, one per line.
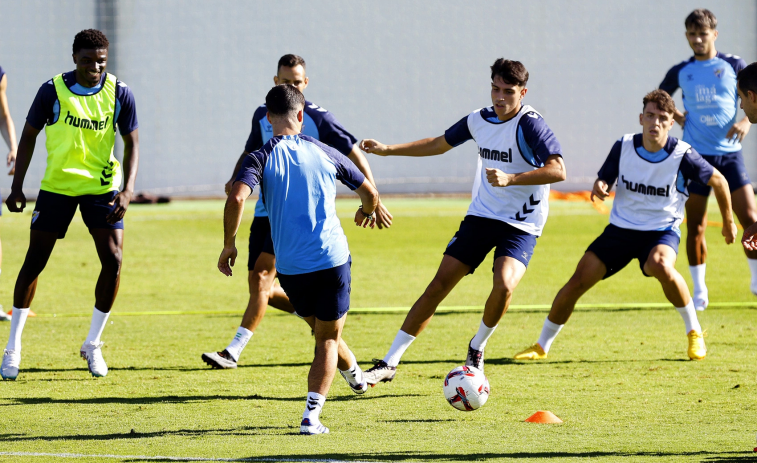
<point x="93" y="354"/>
<point x="310" y="428"/>
<point x="701" y="301"/>
<point x="358" y="385"/>
<point x="4" y="317"/>
<point x="11" y="361"/>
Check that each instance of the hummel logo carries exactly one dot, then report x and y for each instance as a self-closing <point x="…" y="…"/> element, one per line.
<point x="534" y="115"/>
<point x="690" y="76"/>
<point x="526" y="210"/>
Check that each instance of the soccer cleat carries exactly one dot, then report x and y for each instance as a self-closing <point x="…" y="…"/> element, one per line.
<point x="697" y="349"/>
<point x="701" y="301"/>
<point x="308" y="428"/>
<point x="4" y="317"/>
<point x="357" y="388"/>
<point x="475" y="358"/>
<point x="380" y="372"/>
<point x="534" y="352"/>
<point x="11" y="361"/>
<point x="93" y="354"/>
<point x="220" y="360"/>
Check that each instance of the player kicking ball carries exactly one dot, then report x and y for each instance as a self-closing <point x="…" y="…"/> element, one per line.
<point x="518" y="157"/>
<point x="653" y="172"/>
<point x="297" y="175"/>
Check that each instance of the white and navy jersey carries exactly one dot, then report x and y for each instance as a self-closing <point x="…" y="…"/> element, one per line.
<point x="297" y="176"/>
<point x="520" y="144"/>
<point x="652" y="187"/>
<point x="317" y="123"/>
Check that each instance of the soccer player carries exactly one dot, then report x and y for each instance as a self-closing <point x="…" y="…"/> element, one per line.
<point x="653" y="172"/>
<point x="321" y="125"/>
<point x="79" y="111"/>
<point x="747" y="87"/>
<point x="708" y="83"/>
<point x="298" y="177"/>
<point x="518" y="157"/>
<point x="8" y="131"/>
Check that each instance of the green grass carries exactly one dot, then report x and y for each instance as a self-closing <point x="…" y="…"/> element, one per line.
<point x="616" y="375"/>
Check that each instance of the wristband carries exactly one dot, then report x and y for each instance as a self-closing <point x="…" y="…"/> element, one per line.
<point x="369" y="216"/>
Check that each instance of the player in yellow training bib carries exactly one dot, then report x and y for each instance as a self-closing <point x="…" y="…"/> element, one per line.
<point x="79" y="111"/>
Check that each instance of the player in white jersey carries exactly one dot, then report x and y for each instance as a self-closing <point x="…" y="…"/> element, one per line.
<point x="519" y="157"/>
<point x="653" y="172"/>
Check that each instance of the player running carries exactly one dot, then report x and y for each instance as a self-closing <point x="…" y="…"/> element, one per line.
<point x="79" y="111"/>
<point x="321" y="125"/>
<point x="518" y="157"/>
<point x="298" y="177"/>
<point x="8" y="131"/>
<point x="708" y="83"/>
<point x="653" y="172"/>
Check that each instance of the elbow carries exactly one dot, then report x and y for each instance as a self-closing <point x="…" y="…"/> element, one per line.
<point x="561" y="173"/>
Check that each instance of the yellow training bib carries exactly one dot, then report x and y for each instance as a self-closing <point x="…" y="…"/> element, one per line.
<point x="79" y="144"/>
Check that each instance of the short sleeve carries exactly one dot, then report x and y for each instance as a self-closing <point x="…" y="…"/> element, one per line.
<point x="540" y="139"/>
<point x="2" y="73"/>
<point x="346" y="171"/>
<point x="458" y="133"/>
<point x="41" y="111"/>
<point x="610" y="169"/>
<point x="252" y="167"/>
<point x="127" y="117"/>
<point x="331" y="132"/>
<point x="255" y="140"/>
<point x="694" y="168"/>
<point x="670" y="82"/>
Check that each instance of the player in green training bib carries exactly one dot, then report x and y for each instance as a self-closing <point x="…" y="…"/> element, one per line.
<point x="79" y="111"/>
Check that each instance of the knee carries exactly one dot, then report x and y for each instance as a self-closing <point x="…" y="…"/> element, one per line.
<point x="437" y="289"/>
<point x="503" y="288"/>
<point x="112" y="261"/>
<point x="660" y="269"/>
<point x="696" y="229"/>
<point x="260" y="280"/>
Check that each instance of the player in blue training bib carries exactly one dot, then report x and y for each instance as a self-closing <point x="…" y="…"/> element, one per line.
<point x="653" y="173"/>
<point x="711" y="126"/>
<point x="518" y="157"/>
<point x="297" y="175"/>
<point x="318" y="124"/>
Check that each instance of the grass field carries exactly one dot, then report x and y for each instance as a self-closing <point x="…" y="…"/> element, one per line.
<point x="617" y="375"/>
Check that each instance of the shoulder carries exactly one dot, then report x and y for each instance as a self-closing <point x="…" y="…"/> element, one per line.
<point x="47" y="91"/>
<point x="531" y="119"/>
<point x="736" y="62"/>
<point x="678" y="67"/>
<point x="2" y="73"/>
<point x="259" y="113"/>
<point x="322" y="146"/>
<point x="318" y="114"/>
<point x="123" y="91"/>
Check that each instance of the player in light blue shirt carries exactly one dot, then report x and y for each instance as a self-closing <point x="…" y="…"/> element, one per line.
<point x="711" y="126"/>
<point x="297" y="175"/>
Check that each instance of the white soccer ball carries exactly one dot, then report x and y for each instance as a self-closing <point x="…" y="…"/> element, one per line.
<point x="466" y="388"/>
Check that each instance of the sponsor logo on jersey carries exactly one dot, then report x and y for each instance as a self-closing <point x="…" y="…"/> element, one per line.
<point x="495" y="155"/>
<point x="85" y="123"/>
<point x="649" y="190"/>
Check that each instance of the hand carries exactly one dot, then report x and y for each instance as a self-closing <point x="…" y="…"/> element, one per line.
<point x="749" y="240"/>
<point x="11" y="160"/>
<point x="364" y="220"/>
<point x="729" y="232"/>
<point x="738" y="131"/>
<point x="16" y="196"/>
<point x="227" y="259"/>
<point x="227" y="187"/>
<point x="498" y="178"/>
<point x="373" y="147"/>
<point x="600" y="190"/>
<point x="383" y="217"/>
<point x="681" y="119"/>
<point x="121" y="201"/>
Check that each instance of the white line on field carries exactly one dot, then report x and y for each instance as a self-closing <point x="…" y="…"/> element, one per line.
<point x="158" y="457"/>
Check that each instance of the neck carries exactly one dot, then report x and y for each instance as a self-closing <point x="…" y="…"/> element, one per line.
<point x="511" y="114"/>
<point x="706" y="57"/>
<point x="286" y="128"/>
<point x="652" y="145"/>
<point x="84" y="83"/>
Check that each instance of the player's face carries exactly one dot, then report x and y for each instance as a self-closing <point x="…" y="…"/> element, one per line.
<point x="90" y="65"/>
<point x="701" y="41"/>
<point x="293" y="76"/>
<point x="506" y="98"/>
<point x="656" y="123"/>
<point x="749" y="104"/>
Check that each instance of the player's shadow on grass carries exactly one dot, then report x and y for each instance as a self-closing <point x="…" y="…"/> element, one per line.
<point x="244" y="431"/>
<point x="509" y="361"/>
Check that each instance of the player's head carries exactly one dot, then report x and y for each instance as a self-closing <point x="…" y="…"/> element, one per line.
<point x="747" y="88"/>
<point x="285" y="105"/>
<point x="90" y="53"/>
<point x="291" y="70"/>
<point x="657" y="115"/>
<point x="509" y="79"/>
<point x="701" y="31"/>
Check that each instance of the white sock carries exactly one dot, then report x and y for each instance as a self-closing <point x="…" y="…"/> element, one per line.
<point x="689" y="315"/>
<point x="697" y="275"/>
<point x="237" y="344"/>
<point x="18" y="320"/>
<point x="99" y="319"/>
<point x="401" y="342"/>
<point x="753" y="268"/>
<point x="482" y="336"/>
<point x="548" y="334"/>
<point x="313" y="407"/>
<point x="354" y="371"/>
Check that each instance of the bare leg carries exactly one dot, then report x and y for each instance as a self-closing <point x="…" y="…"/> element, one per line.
<point x="109" y="244"/>
<point x="327" y="337"/>
<point x="696" y="224"/>
<point x="41" y="245"/>
<point x="260" y="281"/>
<point x="746" y="210"/>
<point x="507" y="274"/>
<point x="661" y="265"/>
<point x="589" y="272"/>
<point x="344" y="361"/>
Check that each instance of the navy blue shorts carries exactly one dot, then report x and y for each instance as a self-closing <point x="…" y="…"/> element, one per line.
<point x="616" y="246"/>
<point x="260" y="240"/>
<point x="53" y="212"/>
<point x="732" y="167"/>
<point x="478" y="235"/>
<point x="325" y="293"/>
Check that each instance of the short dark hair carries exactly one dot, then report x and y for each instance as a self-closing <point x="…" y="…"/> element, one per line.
<point x="283" y="100"/>
<point x="662" y="99"/>
<point x="747" y="79"/>
<point x="701" y="18"/>
<point x="290" y="61"/>
<point x="90" y="39"/>
<point x="512" y="72"/>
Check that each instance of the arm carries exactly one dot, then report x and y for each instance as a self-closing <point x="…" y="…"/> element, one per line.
<point x="227" y="187"/>
<point x="232" y="217"/>
<point x="383" y="216"/>
<point x="25" y="153"/>
<point x="369" y="199"/>
<point x="553" y="171"/>
<point x="7" y="129"/>
<point x="720" y="188"/>
<point x="425" y="147"/>
<point x="680" y="117"/>
<point x="130" y="165"/>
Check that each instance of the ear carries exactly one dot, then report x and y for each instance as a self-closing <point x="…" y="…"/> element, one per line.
<point x="301" y="115"/>
<point x="275" y="80"/>
<point x="752" y="96"/>
<point x="73" y="55"/>
<point x="715" y="32"/>
<point x="523" y="92"/>
<point x="268" y="115"/>
<point x="641" y="116"/>
<point x="306" y="81"/>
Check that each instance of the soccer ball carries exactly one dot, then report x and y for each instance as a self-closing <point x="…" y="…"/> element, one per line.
<point x="466" y="388"/>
